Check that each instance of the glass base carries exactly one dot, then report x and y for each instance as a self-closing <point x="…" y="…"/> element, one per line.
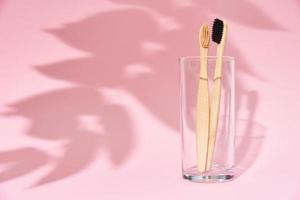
<point x="216" y="174"/>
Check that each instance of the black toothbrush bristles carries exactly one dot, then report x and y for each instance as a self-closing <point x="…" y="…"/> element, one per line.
<point x="217" y="31"/>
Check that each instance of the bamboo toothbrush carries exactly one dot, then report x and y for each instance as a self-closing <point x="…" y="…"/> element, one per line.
<point x="202" y="124"/>
<point x="219" y="33"/>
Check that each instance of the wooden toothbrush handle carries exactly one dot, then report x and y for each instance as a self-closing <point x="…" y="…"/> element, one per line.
<point x="214" y="116"/>
<point x="202" y="124"/>
<point x="202" y="116"/>
<point x="215" y="108"/>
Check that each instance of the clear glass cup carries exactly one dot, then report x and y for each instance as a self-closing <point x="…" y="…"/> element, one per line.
<point x="222" y="168"/>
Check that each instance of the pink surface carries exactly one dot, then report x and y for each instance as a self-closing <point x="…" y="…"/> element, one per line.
<point x="89" y="98"/>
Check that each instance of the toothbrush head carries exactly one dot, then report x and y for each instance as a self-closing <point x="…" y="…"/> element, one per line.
<point x="218" y="31"/>
<point x="204" y="36"/>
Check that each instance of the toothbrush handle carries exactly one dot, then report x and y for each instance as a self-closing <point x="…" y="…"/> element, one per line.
<point x="214" y="115"/>
<point x="202" y="123"/>
<point x="215" y="107"/>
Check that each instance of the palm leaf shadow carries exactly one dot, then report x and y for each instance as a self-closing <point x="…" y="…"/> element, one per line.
<point x="161" y="92"/>
<point x="20" y="162"/>
<point x="54" y="116"/>
<point x="115" y="41"/>
<point x="243" y="12"/>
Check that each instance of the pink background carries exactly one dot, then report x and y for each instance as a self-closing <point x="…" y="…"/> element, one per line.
<point x="89" y="98"/>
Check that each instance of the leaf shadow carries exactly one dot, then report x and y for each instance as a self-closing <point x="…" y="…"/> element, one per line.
<point x="140" y="34"/>
<point x="81" y="119"/>
<point x="19" y="162"/>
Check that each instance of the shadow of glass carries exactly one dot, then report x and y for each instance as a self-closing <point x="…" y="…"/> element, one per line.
<point x="250" y="135"/>
<point x="249" y="144"/>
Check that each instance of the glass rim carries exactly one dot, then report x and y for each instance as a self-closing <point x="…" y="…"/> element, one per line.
<point x="197" y="58"/>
